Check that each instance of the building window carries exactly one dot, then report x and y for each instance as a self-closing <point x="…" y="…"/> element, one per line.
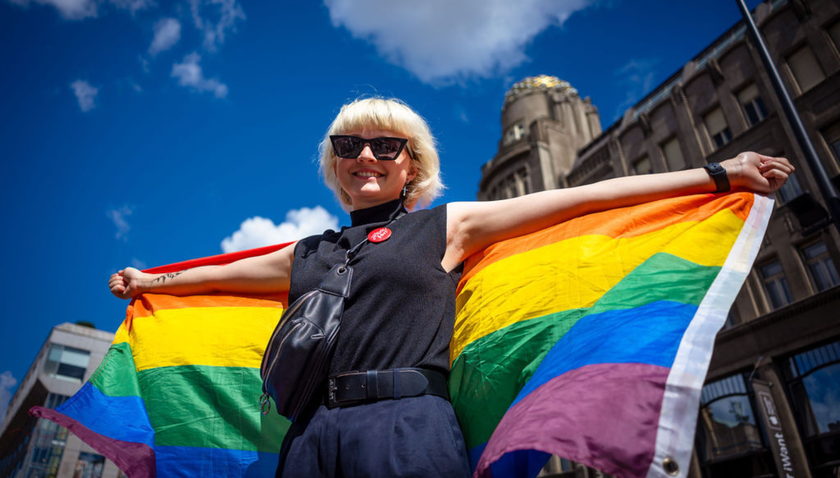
<point x="831" y="134"/>
<point x="728" y="436"/>
<point x="752" y="104"/>
<point x="66" y="363"/>
<point x="776" y="285"/>
<point x="643" y="166"/>
<point x="514" y="133"/>
<point x="524" y="183"/>
<point x="673" y="154"/>
<point x="806" y="71"/>
<point x="717" y="128"/>
<point x="89" y="465"/>
<point x="517" y="184"/>
<point x="820" y="266"/>
<point x="790" y="190"/>
<point x="813" y="379"/>
<point x="48" y="441"/>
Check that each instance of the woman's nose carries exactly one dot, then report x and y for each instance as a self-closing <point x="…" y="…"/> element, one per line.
<point x="366" y="154"/>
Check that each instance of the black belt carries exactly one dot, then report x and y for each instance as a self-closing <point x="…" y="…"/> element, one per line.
<point x="353" y="388"/>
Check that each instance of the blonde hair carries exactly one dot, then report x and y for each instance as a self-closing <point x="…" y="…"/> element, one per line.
<point x="388" y="115"/>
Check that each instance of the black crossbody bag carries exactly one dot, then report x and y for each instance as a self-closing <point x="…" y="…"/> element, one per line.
<point x="296" y="359"/>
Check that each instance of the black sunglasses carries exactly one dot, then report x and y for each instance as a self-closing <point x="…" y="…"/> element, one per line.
<point x="351" y="147"/>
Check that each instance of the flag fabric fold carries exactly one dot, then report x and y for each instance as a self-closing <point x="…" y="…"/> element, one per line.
<point x="589" y="340"/>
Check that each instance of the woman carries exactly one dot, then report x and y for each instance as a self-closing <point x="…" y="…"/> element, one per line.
<point x="379" y="158"/>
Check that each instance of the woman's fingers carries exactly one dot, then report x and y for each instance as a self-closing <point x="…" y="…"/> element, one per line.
<point x="781" y="164"/>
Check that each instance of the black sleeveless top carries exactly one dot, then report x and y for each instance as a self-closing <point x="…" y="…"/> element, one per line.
<point x="401" y="309"/>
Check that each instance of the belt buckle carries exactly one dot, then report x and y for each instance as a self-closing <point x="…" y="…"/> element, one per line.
<point x="331" y="389"/>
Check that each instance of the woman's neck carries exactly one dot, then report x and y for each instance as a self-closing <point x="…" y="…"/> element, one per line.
<point x="378" y="213"/>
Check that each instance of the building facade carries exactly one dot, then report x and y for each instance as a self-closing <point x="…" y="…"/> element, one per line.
<point x="36" y="448"/>
<point x="780" y="348"/>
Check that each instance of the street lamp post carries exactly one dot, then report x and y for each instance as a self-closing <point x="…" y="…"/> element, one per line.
<point x="817" y="168"/>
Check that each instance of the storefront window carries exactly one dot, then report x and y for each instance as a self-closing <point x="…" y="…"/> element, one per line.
<point x="728" y="419"/>
<point x="729" y="440"/>
<point x="814" y="382"/>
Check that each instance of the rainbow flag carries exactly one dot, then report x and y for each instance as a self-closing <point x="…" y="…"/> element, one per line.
<point x="589" y="340"/>
<point x="177" y="394"/>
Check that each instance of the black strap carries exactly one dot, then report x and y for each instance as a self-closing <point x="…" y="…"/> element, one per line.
<point x="351" y="253"/>
<point x="338" y="279"/>
<point x="718" y="173"/>
<point x="353" y="388"/>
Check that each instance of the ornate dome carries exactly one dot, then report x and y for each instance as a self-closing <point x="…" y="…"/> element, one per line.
<point x="541" y="82"/>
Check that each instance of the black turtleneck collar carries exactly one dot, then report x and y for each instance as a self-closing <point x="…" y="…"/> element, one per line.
<point x="381" y="213"/>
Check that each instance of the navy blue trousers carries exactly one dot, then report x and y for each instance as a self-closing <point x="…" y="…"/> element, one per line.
<point x="411" y="437"/>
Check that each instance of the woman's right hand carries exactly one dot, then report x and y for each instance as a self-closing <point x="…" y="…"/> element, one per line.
<point x="129" y="283"/>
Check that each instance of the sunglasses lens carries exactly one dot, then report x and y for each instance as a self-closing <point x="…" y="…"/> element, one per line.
<point x="386" y="148"/>
<point x="348" y="146"/>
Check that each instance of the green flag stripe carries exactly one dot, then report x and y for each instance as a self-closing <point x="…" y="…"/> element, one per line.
<point x="500" y="364"/>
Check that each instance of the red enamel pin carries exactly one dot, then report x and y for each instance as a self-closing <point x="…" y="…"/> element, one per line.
<point x="379" y="235"/>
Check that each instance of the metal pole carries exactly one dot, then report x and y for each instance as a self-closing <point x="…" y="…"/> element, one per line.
<point x="817" y="168"/>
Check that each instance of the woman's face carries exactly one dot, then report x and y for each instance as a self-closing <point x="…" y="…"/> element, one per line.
<point x="370" y="181"/>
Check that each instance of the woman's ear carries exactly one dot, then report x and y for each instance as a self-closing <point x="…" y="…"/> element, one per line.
<point x="412" y="173"/>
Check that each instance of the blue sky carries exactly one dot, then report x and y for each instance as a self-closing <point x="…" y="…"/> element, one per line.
<point x="143" y="132"/>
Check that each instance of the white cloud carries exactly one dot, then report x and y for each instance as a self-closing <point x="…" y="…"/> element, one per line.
<point x="7" y="381"/>
<point x="461" y="114"/>
<point x="227" y="12"/>
<point x="132" y="5"/>
<point x="445" y="40"/>
<point x="636" y="78"/>
<point x="189" y="74"/>
<point x="258" y="231"/>
<point x="167" y="34"/>
<point x="138" y="264"/>
<point x="118" y="217"/>
<point x="145" y="64"/>
<point x="80" y="9"/>
<point x="85" y="93"/>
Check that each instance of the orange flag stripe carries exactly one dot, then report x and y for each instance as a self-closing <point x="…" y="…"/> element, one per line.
<point x="612" y="223"/>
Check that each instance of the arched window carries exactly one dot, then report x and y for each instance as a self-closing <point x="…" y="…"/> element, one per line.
<point x="730" y="441"/>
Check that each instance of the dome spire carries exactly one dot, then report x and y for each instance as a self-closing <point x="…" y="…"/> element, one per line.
<point x="540" y="82"/>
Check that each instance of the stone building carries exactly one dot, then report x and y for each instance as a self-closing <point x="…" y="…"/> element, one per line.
<point x="781" y="333"/>
<point x="36" y="448"/>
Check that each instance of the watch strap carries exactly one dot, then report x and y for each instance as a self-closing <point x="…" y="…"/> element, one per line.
<point x="718" y="173"/>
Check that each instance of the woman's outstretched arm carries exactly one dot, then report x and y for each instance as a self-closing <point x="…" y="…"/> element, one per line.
<point x="472" y="226"/>
<point x="269" y="273"/>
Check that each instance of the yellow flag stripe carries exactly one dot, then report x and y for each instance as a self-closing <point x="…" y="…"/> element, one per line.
<point x="577" y="272"/>
<point x="201" y="336"/>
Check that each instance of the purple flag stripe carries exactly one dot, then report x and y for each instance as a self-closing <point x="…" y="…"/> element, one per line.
<point x="136" y="460"/>
<point x="589" y="405"/>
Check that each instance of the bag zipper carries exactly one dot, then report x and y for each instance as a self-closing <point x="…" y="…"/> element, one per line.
<point x="287" y="313"/>
<point x="312" y="382"/>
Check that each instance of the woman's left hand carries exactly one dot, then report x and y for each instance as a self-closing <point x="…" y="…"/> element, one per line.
<point x="756" y="172"/>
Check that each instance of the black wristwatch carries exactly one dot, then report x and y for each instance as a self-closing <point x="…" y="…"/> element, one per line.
<point x="717" y="173"/>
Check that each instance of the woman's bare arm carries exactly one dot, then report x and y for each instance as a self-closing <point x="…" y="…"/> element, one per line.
<point x="268" y="273"/>
<point x="472" y="226"/>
